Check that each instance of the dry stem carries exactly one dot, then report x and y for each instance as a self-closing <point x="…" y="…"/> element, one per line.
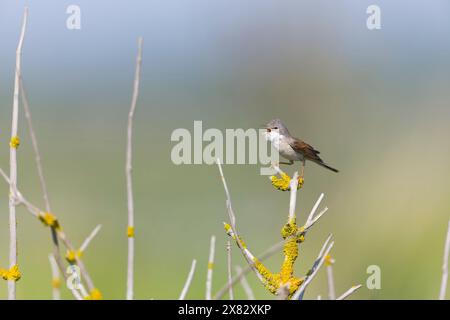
<point x="209" y="272"/>
<point x="13" y="162"/>
<point x="188" y="281"/>
<point x="445" y="265"/>
<point x="128" y="171"/>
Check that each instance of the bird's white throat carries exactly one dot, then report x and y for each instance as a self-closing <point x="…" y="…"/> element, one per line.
<point x="274" y="137"/>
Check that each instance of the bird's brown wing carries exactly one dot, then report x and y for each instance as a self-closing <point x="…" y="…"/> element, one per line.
<point x="309" y="153"/>
<point x="306" y="150"/>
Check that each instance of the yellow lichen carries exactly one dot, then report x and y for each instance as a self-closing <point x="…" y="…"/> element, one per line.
<point x="329" y="260"/>
<point x="72" y="255"/>
<point x="130" y="232"/>
<point x="271" y="280"/>
<point x="210" y="265"/>
<point x="56" y="283"/>
<point x="284" y="181"/>
<point x="48" y="219"/>
<point x="289" y="229"/>
<point x="227" y="227"/>
<point x="11" y="274"/>
<point x="290" y="252"/>
<point x="14" y="142"/>
<point x="95" y="294"/>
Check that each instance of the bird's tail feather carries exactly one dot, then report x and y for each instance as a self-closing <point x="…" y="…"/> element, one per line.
<point x="323" y="164"/>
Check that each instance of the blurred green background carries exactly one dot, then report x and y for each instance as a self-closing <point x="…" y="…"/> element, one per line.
<point x="376" y="103"/>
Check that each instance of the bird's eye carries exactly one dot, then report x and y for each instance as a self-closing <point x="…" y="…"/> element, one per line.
<point x="268" y="129"/>
<point x="276" y="128"/>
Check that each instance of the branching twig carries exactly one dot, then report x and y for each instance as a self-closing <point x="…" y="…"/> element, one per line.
<point x="128" y="170"/>
<point x="209" y="272"/>
<point x="349" y="292"/>
<point x="188" y="281"/>
<point x="13" y="162"/>
<point x="445" y="265"/>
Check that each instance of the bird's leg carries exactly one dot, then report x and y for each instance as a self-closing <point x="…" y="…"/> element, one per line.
<point x="302" y="169"/>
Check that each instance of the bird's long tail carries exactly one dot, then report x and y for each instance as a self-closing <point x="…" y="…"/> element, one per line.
<point x="323" y="164"/>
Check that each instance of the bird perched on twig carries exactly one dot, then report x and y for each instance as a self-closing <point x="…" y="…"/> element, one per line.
<point x="291" y="148"/>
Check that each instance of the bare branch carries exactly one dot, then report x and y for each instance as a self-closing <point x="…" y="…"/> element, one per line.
<point x="35" y="145"/>
<point x="445" y="265"/>
<point x="13" y="161"/>
<point x="293" y="197"/>
<point x="25" y="104"/>
<point x="330" y="280"/>
<point x="128" y="171"/>
<point x="188" y="281"/>
<point x="349" y="292"/>
<point x="233" y="232"/>
<point x="316" y="266"/>
<point x="230" y="287"/>
<point x="56" y="279"/>
<point x="209" y="272"/>
<point x="244" y="283"/>
<point x="90" y="238"/>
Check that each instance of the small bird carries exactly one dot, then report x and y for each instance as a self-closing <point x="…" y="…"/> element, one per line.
<point x="291" y="148"/>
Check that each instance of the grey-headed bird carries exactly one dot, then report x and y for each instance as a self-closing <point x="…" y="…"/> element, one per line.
<point x="291" y="148"/>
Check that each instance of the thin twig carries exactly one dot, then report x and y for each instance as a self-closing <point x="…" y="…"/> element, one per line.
<point x="76" y="294"/>
<point x="244" y="283"/>
<point x="349" y="292"/>
<point x="56" y="279"/>
<point x="90" y="238"/>
<point x="445" y="265"/>
<point x="13" y="162"/>
<point x="233" y="232"/>
<point x="293" y="197"/>
<point x="128" y="172"/>
<point x="314" y="209"/>
<point x="25" y="104"/>
<point x="316" y="266"/>
<point x="230" y="287"/>
<point x="209" y="272"/>
<point x="330" y="280"/>
<point x="188" y="281"/>
<point x="35" y="145"/>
